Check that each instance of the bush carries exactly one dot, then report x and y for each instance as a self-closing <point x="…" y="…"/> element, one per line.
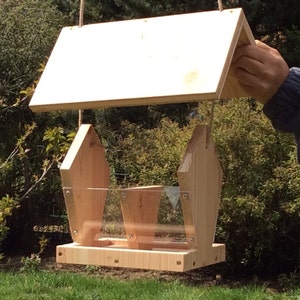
<point x="260" y="206"/>
<point x="149" y="156"/>
<point x="7" y="204"/>
<point x="259" y="217"/>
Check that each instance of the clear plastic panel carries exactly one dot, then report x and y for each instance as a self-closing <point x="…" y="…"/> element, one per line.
<point x="148" y="217"/>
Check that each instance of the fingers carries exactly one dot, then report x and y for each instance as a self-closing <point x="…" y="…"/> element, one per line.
<point x="260" y="70"/>
<point x="258" y="53"/>
<point x="249" y="65"/>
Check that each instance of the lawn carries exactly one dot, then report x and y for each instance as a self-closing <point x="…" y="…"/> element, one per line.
<point x="78" y="285"/>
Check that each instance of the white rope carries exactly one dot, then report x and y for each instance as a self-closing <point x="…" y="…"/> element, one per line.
<point x="213" y="103"/>
<point x="80" y="24"/>
<point x="220" y="5"/>
<point x="81" y="13"/>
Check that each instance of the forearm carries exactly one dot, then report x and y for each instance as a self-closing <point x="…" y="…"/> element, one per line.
<point x="284" y="108"/>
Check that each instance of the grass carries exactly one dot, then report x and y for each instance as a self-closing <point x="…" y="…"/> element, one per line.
<point x="42" y="285"/>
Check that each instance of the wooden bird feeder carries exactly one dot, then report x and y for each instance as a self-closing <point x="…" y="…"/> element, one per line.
<point x="172" y="59"/>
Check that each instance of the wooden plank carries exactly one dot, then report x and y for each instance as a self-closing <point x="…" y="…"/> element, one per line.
<point x="200" y="178"/>
<point x="176" y="260"/>
<point x="84" y="167"/>
<point x="179" y="58"/>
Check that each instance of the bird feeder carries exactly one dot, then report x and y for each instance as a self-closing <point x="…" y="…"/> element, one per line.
<point x="161" y="60"/>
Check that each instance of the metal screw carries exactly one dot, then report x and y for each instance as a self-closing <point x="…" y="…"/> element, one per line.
<point x="185" y="196"/>
<point x="123" y="194"/>
<point x="68" y="193"/>
<point x="75" y="232"/>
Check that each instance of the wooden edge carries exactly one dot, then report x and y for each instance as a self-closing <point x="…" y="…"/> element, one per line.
<point x="175" y="261"/>
<point x="75" y="146"/>
<point x="192" y="145"/>
<point x="243" y="35"/>
<point x="122" y="102"/>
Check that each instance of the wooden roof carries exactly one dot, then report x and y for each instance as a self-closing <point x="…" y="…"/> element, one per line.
<point x="170" y="59"/>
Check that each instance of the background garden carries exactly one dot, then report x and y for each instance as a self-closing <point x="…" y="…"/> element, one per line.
<point x="259" y="219"/>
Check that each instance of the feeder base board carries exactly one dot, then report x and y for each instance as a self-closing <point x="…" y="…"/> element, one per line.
<point x="170" y="259"/>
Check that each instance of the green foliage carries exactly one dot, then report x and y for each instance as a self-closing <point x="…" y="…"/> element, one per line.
<point x="267" y="17"/>
<point x="31" y="264"/>
<point x="259" y="217"/>
<point x="108" y="10"/>
<point x="289" y="282"/>
<point x="28" y="30"/>
<point x="149" y="156"/>
<point x="7" y="204"/>
<point x="290" y="46"/>
<point x="58" y="142"/>
<point x="76" y="285"/>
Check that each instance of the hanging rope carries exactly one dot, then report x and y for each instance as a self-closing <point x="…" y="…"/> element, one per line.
<point x="220" y="5"/>
<point x="80" y="24"/>
<point x="81" y="13"/>
<point x="213" y="103"/>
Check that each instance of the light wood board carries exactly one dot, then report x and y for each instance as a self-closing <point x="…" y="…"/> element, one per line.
<point x="171" y="59"/>
<point x="200" y="175"/>
<point x="176" y="261"/>
<point x="85" y="166"/>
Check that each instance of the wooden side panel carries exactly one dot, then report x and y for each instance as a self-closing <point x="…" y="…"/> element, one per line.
<point x="85" y="167"/>
<point x="200" y="178"/>
<point x="178" y="58"/>
<point x="140" y="207"/>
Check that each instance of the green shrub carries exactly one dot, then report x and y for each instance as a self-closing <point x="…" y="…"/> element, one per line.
<point x="260" y="205"/>
<point x="149" y="156"/>
<point x="7" y="204"/>
<point x="259" y="217"/>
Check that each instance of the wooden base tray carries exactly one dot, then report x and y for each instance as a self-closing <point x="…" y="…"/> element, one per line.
<point x="171" y="259"/>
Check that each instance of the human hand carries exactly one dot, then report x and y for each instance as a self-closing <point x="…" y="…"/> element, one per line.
<point x="260" y="70"/>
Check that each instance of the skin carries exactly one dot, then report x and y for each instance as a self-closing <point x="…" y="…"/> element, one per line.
<point x="260" y="70"/>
